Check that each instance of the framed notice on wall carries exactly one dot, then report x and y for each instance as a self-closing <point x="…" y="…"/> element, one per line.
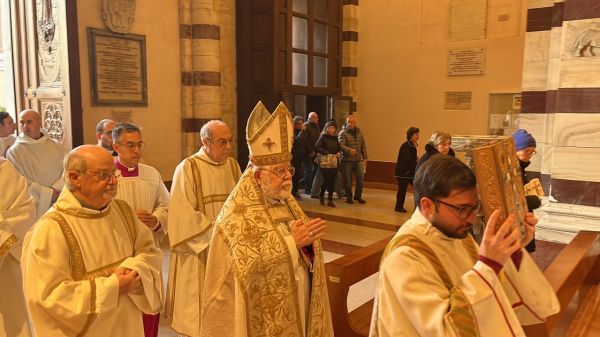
<point x="117" y="68"/>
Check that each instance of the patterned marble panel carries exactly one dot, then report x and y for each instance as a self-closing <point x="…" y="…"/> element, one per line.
<point x="576" y="163"/>
<point x="576" y="192"/>
<point x="580" y="130"/>
<point x="553" y="77"/>
<point x="537" y="45"/>
<point x="535" y="74"/>
<point x="582" y="9"/>
<point x="536" y="124"/>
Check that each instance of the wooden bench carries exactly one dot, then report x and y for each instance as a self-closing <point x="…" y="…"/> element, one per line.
<point x="341" y="274"/>
<point x="575" y="276"/>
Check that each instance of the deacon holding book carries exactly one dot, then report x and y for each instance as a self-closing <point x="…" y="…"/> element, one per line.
<point x="435" y="280"/>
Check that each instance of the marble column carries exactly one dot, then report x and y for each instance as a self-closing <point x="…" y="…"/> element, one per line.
<point x="208" y="67"/>
<point x="561" y="108"/>
<point x="350" y="52"/>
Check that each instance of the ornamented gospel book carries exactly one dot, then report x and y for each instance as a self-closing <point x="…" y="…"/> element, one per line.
<point x="499" y="181"/>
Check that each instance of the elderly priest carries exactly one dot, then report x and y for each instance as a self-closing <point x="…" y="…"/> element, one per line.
<point x="90" y="267"/>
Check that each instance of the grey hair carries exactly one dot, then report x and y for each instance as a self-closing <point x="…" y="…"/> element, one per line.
<point x="73" y="162"/>
<point x="3" y="115"/>
<point x="100" y="125"/>
<point x="206" y="132"/>
<point x="124" y="127"/>
<point x="439" y="137"/>
<point x="298" y="119"/>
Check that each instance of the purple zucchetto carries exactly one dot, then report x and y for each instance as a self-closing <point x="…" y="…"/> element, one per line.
<point x="523" y="139"/>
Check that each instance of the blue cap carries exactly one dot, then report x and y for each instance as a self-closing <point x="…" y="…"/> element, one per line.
<point x="523" y="139"/>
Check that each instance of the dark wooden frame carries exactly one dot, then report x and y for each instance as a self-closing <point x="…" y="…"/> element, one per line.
<point x="92" y="33"/>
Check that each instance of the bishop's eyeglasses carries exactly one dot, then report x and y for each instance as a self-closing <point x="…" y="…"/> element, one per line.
<point x="281" y="171"/>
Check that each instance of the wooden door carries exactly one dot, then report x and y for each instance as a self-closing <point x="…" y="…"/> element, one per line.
<point x="42" y="63"/>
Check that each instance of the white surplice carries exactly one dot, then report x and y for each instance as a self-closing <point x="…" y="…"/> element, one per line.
<point x="40" y="162"/>
<point x="413" y="300"/>
<point x="5" y="143"/>
<point x="69" y="259"/>
<point x="200" y="187"/>
<point x="17" y="214"/>
<point x="146" y="192"/>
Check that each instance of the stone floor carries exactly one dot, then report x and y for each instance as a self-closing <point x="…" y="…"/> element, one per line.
<point x="350" y="227"/>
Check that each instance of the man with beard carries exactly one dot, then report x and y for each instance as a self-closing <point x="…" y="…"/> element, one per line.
<point x="265" y="262"/>
<point x="90" y="267"/>
<point x="435" y="281"/>
<point x="201" y="184"/>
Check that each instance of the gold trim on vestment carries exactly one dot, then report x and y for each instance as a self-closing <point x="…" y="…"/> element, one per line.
<point x="91" y="317"/>
<point x="460" y="313"/>
<point x="214" y="198"/>
<point x="197" y="184"/>
<point x="77" y="213"/>
<point x="77" y="265"/>
<point x="263" y="266"/>
<point x="7" y="244"/>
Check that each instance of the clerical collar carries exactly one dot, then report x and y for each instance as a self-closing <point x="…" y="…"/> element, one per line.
<point x="127" y="171"/>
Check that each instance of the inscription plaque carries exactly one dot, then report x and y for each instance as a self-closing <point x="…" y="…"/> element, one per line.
<point x="466" y="61"/>
<point x="117" y="69"/>
<point x="457" y="100"/>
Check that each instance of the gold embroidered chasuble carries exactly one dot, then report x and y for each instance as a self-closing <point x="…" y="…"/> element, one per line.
<point x="17" y="214"/>
<point x="253" y="287"/>
<point x="200" y="187"/>
<point x="432" y="285"/>
<point x="69" y="259"/>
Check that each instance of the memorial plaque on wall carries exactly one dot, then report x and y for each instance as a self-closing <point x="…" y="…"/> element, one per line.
<point x="466" y="61"/>
<point x="117" y="69"/>
<point x="457" y="100"/>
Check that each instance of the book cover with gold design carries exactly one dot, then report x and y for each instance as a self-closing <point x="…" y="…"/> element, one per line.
<point x="499" y="181"/>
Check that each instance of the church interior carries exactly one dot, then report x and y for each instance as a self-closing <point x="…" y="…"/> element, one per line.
<point x="471" y="68"/>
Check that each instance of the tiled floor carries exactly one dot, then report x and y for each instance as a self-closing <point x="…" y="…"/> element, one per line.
<point x="350" y="227"/>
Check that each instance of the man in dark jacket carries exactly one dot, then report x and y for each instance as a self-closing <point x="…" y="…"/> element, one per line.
<point x="405" y="166"/>
<point x="354" y="155"/>
<point x="298" y="153"/>
<point x="525" y="145"/>
<point x="312" y="131"/>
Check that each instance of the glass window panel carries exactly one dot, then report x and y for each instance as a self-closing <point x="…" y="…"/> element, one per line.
<point x="320" y="9"/>
<point x="299" y="33"/>
<point x="300" y="6"/>
<point x="320" y="38"/>
<point x="319" y="71"/>
<point x="299" y="69"/>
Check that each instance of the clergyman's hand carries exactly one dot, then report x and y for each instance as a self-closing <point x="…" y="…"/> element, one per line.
<point x="501" y="245"/>
<point x="128" y="280"/>
<point x="148" y="219"/>
<point x="305" y="233"/>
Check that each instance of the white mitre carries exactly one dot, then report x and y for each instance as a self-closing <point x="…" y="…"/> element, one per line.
<point x="270" y="135"/>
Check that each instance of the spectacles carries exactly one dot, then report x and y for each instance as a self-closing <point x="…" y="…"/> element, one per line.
<point x="107" y="133"/>
<point x="103" y="176"/>
<point x="281" y="171"/>
<point x="131" y="145"/>
<point x="221" y="142"/>
<point x="463" y="211"/>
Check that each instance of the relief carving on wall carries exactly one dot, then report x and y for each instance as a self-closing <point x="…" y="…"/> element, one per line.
<point x="118" y="15"/>
<point x="587" y="41"/>
<point x="53" y="121"/>
<point x="48" y="41"/>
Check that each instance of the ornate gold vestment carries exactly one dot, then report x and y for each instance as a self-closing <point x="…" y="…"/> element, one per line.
<point x="262" y="265"/>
